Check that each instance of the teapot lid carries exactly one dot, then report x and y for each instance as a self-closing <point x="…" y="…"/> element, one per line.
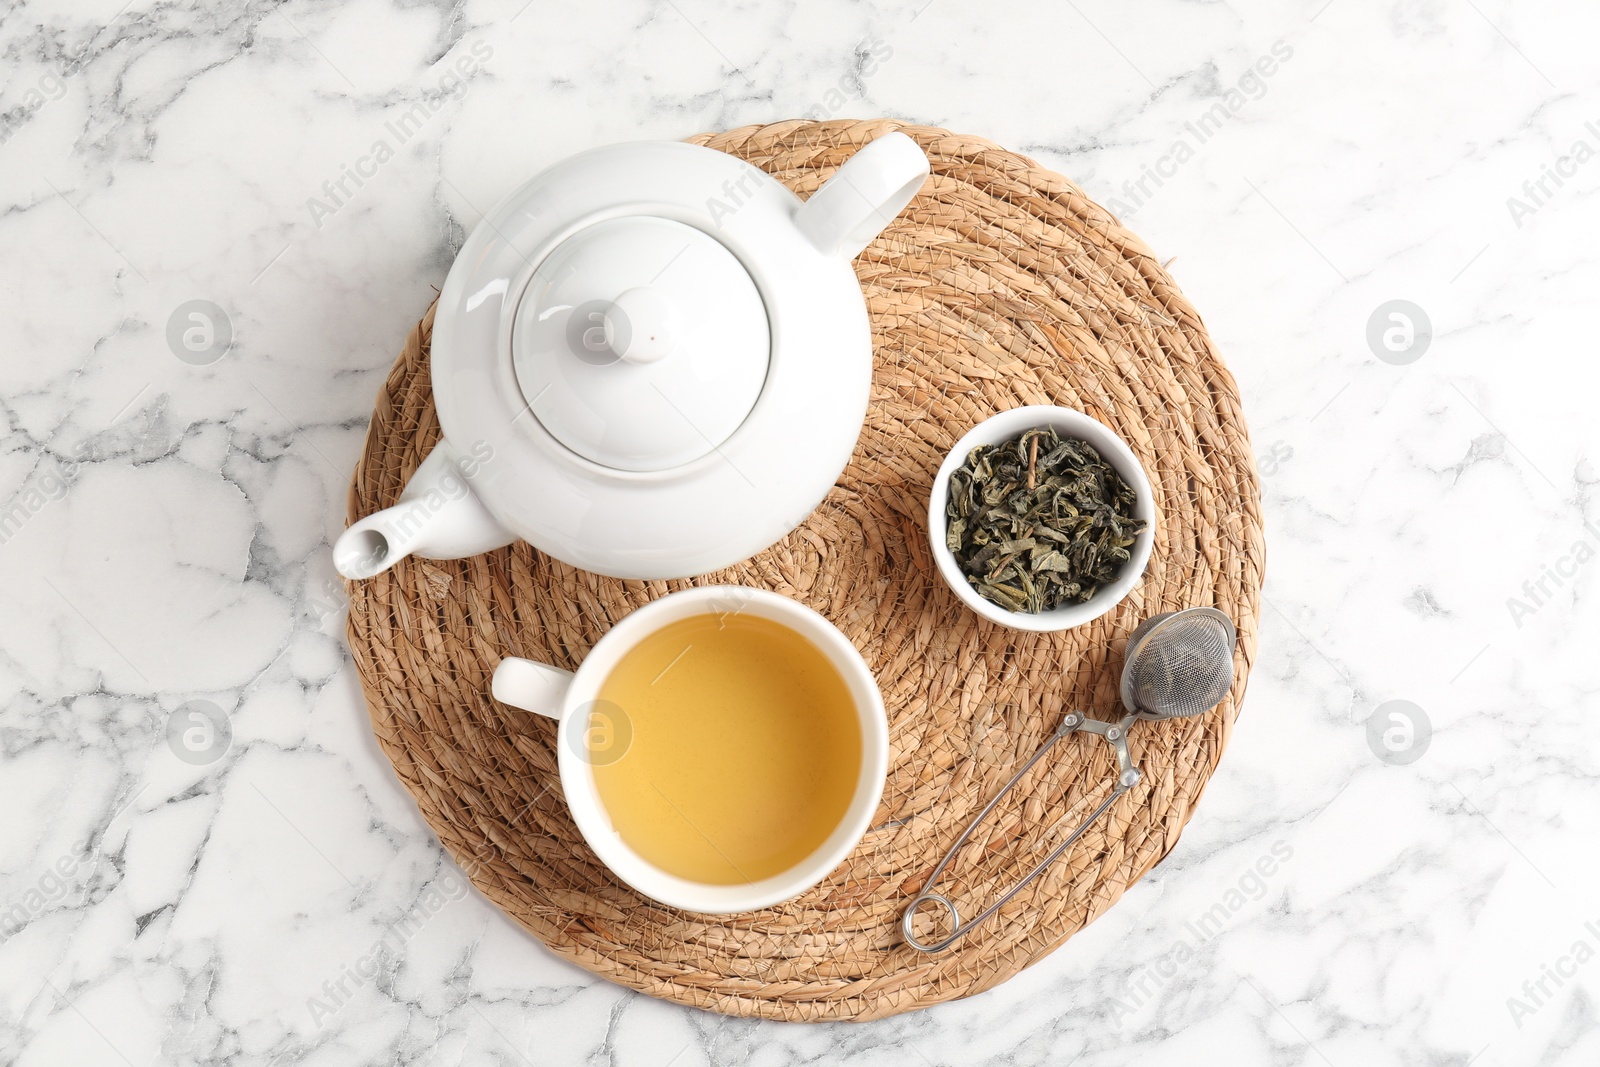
<point x="641" y="343"/>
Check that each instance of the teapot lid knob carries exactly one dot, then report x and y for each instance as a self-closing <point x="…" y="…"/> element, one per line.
<point x="652" y="331"/>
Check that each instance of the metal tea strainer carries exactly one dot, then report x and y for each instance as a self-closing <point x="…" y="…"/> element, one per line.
<point x="1177" y="664"/>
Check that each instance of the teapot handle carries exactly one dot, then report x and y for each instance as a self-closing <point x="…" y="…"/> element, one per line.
<point x="863" y="196"/>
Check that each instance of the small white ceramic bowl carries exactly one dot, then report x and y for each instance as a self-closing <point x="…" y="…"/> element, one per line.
<point x="1068" y="423"/>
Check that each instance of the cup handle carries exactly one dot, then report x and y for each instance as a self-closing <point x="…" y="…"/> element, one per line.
<point x="536" y="687"/>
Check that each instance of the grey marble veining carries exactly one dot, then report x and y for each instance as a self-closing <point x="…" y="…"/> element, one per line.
<point x="1415" y="884"/>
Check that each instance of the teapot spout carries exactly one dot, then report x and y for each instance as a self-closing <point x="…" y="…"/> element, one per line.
<point x="864" y="196"/>
<point x="438" y="516"/>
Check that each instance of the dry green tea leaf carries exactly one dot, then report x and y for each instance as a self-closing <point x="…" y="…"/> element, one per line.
<point x="1039" y="521"/>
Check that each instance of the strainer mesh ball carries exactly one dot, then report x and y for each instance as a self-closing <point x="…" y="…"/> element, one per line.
<point x="1181" y="666"/>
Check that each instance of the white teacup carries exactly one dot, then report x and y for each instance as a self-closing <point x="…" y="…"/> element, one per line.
<point x="566" y="697"/>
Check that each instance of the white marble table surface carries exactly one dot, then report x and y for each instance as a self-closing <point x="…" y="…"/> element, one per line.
<point x="1431" y="520"/>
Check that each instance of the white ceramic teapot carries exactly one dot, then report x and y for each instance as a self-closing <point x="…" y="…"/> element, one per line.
<point x="650" y="361"/>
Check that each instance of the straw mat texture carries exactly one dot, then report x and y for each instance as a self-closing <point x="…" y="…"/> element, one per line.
<point x="1001" y="285"/>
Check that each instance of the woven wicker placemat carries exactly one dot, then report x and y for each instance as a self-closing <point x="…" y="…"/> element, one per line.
<point x="1001" y="285"/>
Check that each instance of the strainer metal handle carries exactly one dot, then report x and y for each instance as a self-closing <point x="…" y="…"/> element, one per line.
<point x="1127" y="778"/>
<point x="1177" y="665"/>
